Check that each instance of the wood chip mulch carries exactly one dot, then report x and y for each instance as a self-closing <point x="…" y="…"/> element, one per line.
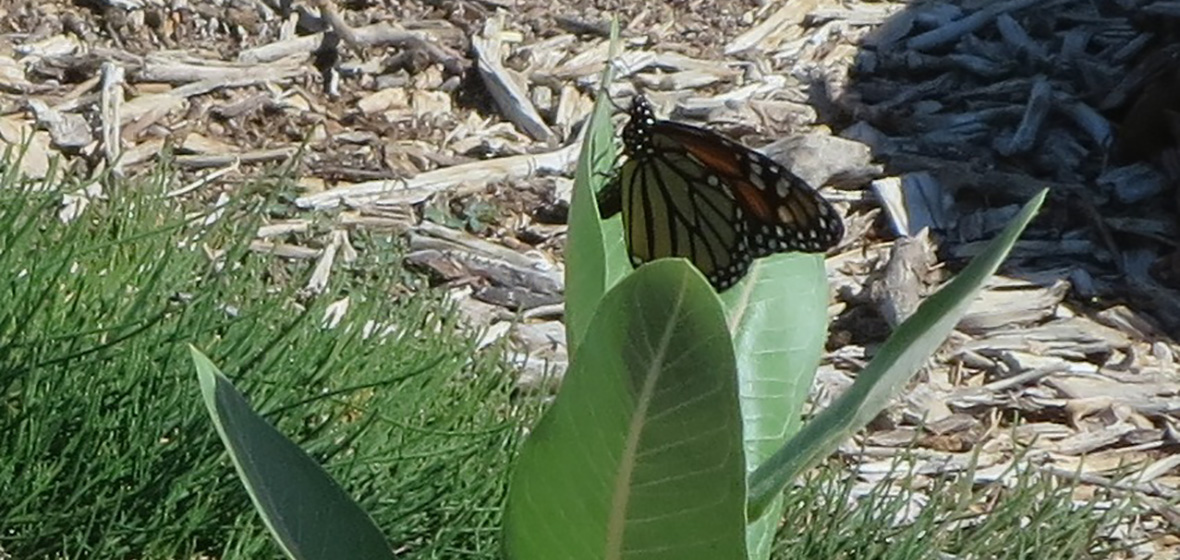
<point x="455" y="123"/>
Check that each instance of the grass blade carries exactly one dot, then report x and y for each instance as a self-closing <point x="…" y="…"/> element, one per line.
<point x="906" y="350"/>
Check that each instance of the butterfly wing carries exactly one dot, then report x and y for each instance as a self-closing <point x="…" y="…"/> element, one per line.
<point x="673" y="207"/>
<point x="689" y="192"/>
<point x="782" y="211"/>
<point x="610" y="197"/>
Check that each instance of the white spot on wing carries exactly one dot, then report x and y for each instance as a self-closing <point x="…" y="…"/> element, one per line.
<point x="783" y="187"/>
<point x="756" y="179"/>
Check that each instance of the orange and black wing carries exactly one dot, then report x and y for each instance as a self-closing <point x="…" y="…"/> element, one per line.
<point x="688" y="192"/>
<point x="784" y="213"/>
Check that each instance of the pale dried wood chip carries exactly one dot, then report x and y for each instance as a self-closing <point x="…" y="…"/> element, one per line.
<point x="510" y="95"/>
<point x="511" y="285"/>
<point x="572" y="108"/>
<point x="422" y="186"/>
<point x="914" y="202"/>
<point x="542" y="98"/>
<point x="926" y="462"/>
<point x="12" y="73"/>
<point x="705" y="107"/>
<point x="425" y="103"/>
<point x="589" y="62"/>
<point x="250" y="74"/>
<point x="285" y="250"/>
<point x="897" y="437"/>
<point x="323" y="266"/>
<point x="142" y="151"/>
<point x="536" y="374"/>
<point x="75" y="203"/>
<point x="1090" y="387"/>
<point x="554" y="312"/>
<point x="1032" y="432"/>
<point x="34" y="162"/>
<point x="383" y="100"/>
<point x="338" y="25"/>
<point x="546" y="53"/>
<point x="1130" y="321"/>
<point x="201" y="182"/>
<point x="1158" y="469"/>
<point x="901" y="282"/>
<point x="334" y="313"/>
<point x="427" y="231"/>
<point x="858" y="14"/>
<point x="764" y="34"/>
<point x="147" y="109"/>
<point x="545" y="339"/>
<point x="1119" y="460"/>
<point x="1073" y="338"/>
<point x="225" y="159"/>
<point x="111" y="107"/>
<point x="817" y="157"/>
<point x="1087" y="442"/>
<point x="54" y="46"/>
<point x="390" y="221"/>
<point x="176" y="69"/>
<point x="285" y="227"/>
<point x="1031" y="367"/>
<point x="1130" y="486"/>
<point x="1018" y="303"/>
<point x="674" y="81"/>
<point x="199" y="143"/>
<point x="69" y="131"/>
<point x="925" y="402"/>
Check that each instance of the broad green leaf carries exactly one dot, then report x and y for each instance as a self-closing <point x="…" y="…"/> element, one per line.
<point x="640" y="456"/>
<point x="595" y="258"/>
<point x="914" y="341"/>
<point x="778" y="317"/>
<point x="309" y="515"/>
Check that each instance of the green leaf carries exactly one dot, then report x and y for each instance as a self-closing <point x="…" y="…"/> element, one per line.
<point x="310" y="516"/>
<point x="640" y="455"/>
<point x="595" y="257"/>
<point x="778" y="317"/>
<point x="914" y="341"/>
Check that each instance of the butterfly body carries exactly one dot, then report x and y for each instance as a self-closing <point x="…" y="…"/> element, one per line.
<point x="688" y="192"/>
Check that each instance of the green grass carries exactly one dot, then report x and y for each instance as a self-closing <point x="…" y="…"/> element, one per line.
<point x="106" y="450"/>
<point x="1031" y="516"/>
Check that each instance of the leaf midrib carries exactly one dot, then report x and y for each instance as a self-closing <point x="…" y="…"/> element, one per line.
<point x="622" y="492"/>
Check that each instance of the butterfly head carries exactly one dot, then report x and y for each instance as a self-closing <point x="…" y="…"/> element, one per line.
<point x="637" y="133"/>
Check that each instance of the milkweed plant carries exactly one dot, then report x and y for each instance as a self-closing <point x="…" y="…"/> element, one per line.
<point x="677" y="425"/>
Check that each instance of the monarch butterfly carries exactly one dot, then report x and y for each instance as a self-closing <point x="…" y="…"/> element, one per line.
<point x="688" y="192"/>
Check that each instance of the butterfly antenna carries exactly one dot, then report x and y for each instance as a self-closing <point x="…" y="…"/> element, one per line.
<point x="610" y="99"/>
<point x="623" y="89"/>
